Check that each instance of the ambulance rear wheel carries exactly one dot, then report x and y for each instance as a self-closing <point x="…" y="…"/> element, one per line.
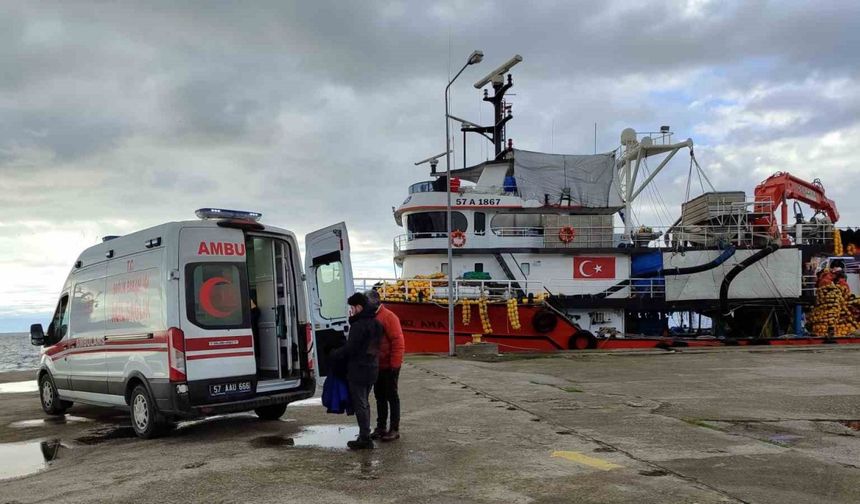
<point x="146" y="421"/>
<point x="271" y="412"/>
<point x="582" y="340"/>
<point x="51" y="402"/>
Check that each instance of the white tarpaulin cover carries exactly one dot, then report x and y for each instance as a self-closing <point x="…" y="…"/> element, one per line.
<point x="590" y="177"/>
<point x="777" y="275"/>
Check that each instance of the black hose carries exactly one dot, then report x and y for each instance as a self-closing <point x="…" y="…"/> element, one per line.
<point x="720" y="259"/>
<point x="749" y="261"/>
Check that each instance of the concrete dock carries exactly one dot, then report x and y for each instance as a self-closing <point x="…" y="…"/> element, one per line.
<point x="753" y="425"/>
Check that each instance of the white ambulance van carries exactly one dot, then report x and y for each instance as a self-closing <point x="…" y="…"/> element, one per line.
<point x="196" y="318"/>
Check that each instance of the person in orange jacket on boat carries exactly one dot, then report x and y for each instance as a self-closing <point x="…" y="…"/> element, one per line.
<point x="391" y="350"/>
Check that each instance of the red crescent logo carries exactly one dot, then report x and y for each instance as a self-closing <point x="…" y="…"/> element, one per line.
<point x="206" y="297"/>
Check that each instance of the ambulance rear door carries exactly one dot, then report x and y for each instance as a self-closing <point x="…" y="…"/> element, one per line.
<point x="329" y="282"/>
<point x="216" y="314"/>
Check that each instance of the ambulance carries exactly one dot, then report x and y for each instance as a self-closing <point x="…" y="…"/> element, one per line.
<point x="196" y="318"/>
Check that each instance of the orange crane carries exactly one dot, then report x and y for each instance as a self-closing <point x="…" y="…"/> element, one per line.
<point x="780" y="187"/>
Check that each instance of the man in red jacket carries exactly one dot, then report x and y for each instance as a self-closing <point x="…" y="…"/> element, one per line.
<point x="391" y="350"/>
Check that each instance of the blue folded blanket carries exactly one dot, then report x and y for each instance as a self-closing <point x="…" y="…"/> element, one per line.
<point x="335" y="396"/>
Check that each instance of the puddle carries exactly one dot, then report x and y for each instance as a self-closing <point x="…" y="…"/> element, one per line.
<point x="19" y="387"/>
<point x="313" y="401"/>
<point x="654" y="472"/>
<point x="325" y="436"/>
<point x="41" y="422"/>
<point x="851" y="424"/>
<point x="106" y="434"/>
<point x="27" y="457"/>
<point x="272" y="442"/>
<point x="784" y="439"/>
<point x="366" y="469"/>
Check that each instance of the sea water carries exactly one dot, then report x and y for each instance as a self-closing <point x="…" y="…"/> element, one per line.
<point x="16" y="352"/>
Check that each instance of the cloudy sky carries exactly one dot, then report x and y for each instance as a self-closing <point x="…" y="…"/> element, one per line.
<point x="116" y="116"/>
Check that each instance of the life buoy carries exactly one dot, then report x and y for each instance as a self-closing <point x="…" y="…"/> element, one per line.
<point x="566" y="234"/>
<point x="458" y="238"/>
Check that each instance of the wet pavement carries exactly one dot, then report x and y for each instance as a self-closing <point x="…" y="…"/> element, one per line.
<point x="732" y="425"/>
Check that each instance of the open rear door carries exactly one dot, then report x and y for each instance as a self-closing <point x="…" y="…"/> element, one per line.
<point x="329" y="280"/>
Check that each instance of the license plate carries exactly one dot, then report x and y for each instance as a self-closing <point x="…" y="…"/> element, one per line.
<point x="229" y="388"/>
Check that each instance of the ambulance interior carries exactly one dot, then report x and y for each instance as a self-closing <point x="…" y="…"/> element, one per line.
<point x="272" y="283"/>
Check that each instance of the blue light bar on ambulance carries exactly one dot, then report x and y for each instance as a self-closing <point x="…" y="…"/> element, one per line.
<point x="222" y="213"/>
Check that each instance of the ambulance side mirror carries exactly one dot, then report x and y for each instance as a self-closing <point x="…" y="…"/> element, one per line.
<point x="37" y="335"/>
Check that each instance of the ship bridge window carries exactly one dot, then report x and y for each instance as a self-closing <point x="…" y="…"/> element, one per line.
<point x="421" y="187"/>
<point x="433" y="224"/>
<point x="514" y="224"/>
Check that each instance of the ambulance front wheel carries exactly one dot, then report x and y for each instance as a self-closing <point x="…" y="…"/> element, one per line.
<point x="51" y="402"/>
<point x="271" y="412"/>
<point x="145" y="418"/>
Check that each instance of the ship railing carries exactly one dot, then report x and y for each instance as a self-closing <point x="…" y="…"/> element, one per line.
<point x="429" y="289"/>
<point x="615" y="288"/>
<point x="590" y="237"/>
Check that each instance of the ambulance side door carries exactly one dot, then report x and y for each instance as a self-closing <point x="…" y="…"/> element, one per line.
<point x="328" y="272"/>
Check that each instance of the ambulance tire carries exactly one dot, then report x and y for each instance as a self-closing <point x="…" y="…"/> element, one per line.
<point x="582" y="340"/>
<point x="51" y="402"/>
<point x="146" y="421"/>
<point x="271" y="412"/>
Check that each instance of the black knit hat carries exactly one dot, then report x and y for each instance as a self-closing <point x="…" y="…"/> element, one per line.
<point x="357" y="299"/>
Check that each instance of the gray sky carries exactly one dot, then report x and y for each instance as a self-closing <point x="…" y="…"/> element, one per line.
<point x="115" y="116"/>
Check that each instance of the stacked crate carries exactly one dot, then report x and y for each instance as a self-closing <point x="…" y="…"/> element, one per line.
<point x="712" y="217"/>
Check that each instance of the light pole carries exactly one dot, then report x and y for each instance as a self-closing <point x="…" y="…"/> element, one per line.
<point x="474" y="58"/>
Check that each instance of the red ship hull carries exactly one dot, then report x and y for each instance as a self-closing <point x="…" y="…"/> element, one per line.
<point x="425" y="328"/>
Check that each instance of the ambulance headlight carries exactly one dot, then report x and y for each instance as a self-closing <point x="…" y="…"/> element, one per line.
<point x="223" y="213"/>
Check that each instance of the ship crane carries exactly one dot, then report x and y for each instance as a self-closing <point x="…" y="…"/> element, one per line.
<point x="776" y="190"/>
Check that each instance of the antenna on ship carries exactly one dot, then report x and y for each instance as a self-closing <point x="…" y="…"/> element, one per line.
<point x="434" y="161"/>
<point x="502" y="111"/>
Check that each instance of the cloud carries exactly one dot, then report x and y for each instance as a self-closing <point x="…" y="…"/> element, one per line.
<point x="114" y="117"/>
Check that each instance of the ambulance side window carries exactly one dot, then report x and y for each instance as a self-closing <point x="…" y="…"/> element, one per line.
<point x="60" y="322"/>
<point x="217" y="295"/>
<point x="87" y="307"/>
<point x="331" y="290"/>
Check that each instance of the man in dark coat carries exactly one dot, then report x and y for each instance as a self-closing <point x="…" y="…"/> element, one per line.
<point x="361" y="356"/>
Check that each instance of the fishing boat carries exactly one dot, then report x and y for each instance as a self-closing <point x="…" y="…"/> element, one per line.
<point x="548" y="253"/>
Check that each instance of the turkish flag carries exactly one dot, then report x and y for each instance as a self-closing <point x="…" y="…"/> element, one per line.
<point x="596" y="267"/>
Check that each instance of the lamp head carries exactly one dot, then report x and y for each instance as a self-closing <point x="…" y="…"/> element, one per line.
<point x="476" y="57"/>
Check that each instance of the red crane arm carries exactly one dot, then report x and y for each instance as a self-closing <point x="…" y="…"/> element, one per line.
<point x="780" y="187"/>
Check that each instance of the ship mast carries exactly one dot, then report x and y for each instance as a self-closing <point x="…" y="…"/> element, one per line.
<point x="501" y="110"/>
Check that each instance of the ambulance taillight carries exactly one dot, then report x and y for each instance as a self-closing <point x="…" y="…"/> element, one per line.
<point x="309" y="335"/>
<point x="176" y="354"/>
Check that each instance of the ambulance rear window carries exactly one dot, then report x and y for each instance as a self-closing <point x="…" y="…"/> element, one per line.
<point x="217" y="295"/>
